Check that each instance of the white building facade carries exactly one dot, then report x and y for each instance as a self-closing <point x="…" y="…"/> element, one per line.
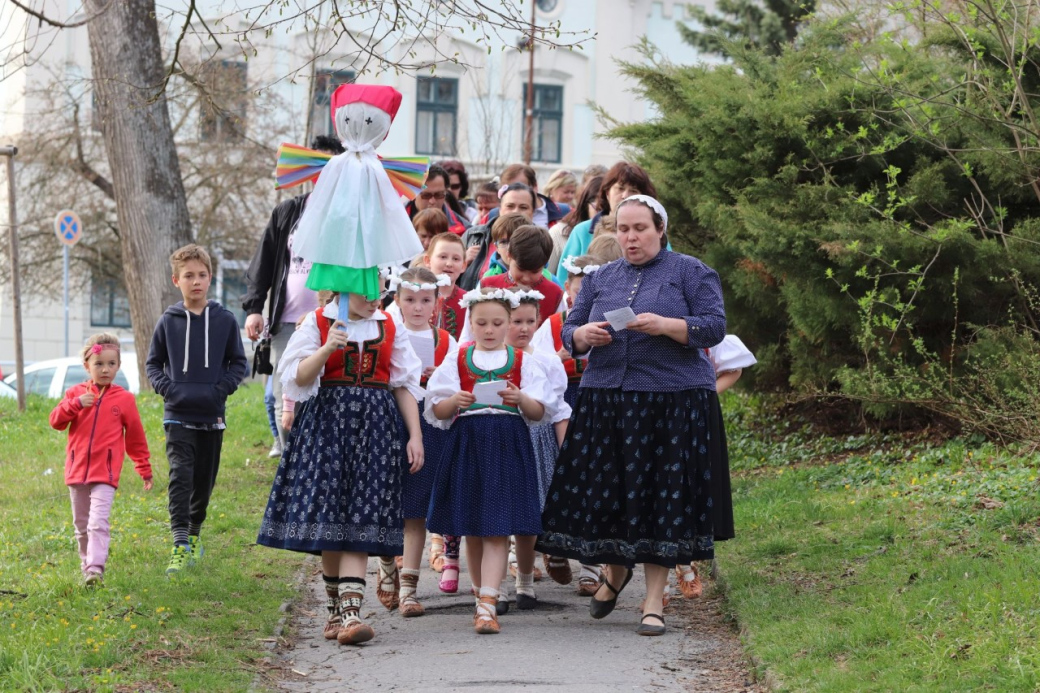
<point x="472" y="110"/>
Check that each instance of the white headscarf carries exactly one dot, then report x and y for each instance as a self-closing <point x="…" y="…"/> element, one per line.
<point x="649" y="202"/>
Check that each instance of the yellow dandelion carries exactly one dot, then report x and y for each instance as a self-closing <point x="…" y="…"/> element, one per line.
<point x="133" y="626"/>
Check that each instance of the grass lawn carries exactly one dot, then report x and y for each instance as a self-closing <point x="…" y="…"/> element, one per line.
<point x="882" y="563"/>
<point x="141" y="632"/>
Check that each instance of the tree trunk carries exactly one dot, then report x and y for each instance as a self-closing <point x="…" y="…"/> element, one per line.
<point x="126" y="58"/>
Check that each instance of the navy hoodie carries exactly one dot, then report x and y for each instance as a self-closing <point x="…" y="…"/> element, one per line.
<point x="195" y="362"/>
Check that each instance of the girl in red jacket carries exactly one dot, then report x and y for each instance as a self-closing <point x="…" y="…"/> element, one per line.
<point x="103" y="425"/>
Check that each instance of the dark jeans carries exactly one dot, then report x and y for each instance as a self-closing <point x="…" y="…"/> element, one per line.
<point x="194" y="460"/>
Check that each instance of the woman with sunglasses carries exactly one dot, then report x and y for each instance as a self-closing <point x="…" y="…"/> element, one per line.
<point x="436" y="194"/>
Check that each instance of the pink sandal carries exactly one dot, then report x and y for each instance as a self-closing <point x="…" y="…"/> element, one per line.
<point x="449" y="583"/>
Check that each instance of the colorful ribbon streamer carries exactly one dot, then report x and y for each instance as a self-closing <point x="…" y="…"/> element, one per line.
<point x="298" y="165"/>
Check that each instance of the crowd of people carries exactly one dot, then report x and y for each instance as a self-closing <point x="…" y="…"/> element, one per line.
<point x="541" y="379"/>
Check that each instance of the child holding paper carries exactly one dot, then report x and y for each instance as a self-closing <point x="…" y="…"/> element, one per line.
<point x="546" y="438"/>
<point x="416" y="297"/>
<point x="486" y="486"/>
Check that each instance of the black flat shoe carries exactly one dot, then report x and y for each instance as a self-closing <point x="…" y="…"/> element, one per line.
<point x="526" y="603"/>
<point x="598" y="609"/>
<point x="647" y="629"/>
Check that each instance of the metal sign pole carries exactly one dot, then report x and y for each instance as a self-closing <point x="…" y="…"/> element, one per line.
<point x="65" y="293"/>
<point x="16" y="292"/>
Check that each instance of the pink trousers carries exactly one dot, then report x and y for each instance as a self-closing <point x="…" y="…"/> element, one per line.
<point x="91" y="504"/>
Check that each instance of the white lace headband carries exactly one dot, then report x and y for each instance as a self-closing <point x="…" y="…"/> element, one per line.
<point x="477" y="296"/>
<point x="572" y="269"/>
<point x="397" y="283"/>
<point x="649" y="202"/>
<point x="530" y="295"/>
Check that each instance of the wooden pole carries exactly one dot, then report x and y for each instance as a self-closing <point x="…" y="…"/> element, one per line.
<point x="16" y="292"/>
<point x="529" y="111"/>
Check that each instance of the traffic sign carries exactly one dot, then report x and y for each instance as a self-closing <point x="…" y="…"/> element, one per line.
<point x="67" y="227"/>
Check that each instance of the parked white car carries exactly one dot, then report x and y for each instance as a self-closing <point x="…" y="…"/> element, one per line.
<point x="52" y="378"/>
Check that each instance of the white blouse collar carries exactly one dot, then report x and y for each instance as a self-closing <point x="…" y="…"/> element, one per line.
<point x="331" y="311"/>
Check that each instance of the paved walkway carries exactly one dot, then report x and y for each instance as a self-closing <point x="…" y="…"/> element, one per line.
<point x="558" y="646"/>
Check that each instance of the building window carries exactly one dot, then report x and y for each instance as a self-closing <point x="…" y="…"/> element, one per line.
<point x="224" y="101"/>
<point x="437" y="108"/>
<point x="109" y="303"/>
<point x="325" y="82"/>
<point x="547" y="123"/>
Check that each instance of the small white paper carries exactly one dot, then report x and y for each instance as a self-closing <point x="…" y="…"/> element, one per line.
<point x="620" y="318"/>
<point x="424" y="350"/>
<point x="487" y="393"/>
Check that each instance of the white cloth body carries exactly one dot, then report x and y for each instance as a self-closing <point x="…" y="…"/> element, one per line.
<point x="731" y="354"/>
<point x="557" y="374"/>
<point x="405" y="367"/>
<point x="445" y="382"/>
<point x="354" y="217"/>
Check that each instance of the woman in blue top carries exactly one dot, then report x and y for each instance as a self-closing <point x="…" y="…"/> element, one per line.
<point x="622" y="180"/>
<point x="632" y="482"/>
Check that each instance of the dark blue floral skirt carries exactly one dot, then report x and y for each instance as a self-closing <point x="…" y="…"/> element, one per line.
<point x="418" y="486"/>
<point x="633" y="479"/>
<point x="338" y="485"/>
<point x="543" y="440"/>
<point x="570" y="396"/>
<point x="721" y="492"/>
<point x="486" y="484"/>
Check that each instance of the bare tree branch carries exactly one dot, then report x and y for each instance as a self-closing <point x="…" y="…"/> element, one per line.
<point x="60" y="25"/>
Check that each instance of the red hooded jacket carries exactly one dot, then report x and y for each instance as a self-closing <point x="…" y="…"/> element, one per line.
<point x="100" y="436"/>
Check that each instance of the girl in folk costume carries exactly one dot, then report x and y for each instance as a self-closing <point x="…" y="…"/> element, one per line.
<point x="337" y="491"/>
<point x="487" y="486"/>
<point x="416" y="298"/>
<point x="546" y="438"/>
<point x="549" y="340"/>
<point x="446" y="255"/>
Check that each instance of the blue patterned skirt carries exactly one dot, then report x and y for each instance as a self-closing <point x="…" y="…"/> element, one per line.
<point x="633" y="479"/>
<point x="543" y="440"/>
<point x="338" y="485"/>
<point x="570" y="396"/>
<point x="418" y="486"/>
<point x="486" y="484"/>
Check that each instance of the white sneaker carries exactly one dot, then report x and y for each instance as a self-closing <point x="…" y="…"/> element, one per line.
<point x="276" y="449"/>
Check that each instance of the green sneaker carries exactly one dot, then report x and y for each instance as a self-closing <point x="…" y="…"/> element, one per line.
<point x="196" y="549"/>
<point x="179" y="559"/>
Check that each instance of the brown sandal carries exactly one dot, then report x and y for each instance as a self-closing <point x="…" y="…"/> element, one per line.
<point x="559" y="569"/>
<point x="485" y="620"/>
<point x="389" y="587"/>
<point x="410" y="607"/>
<point x="335" y="621"/>
<point x="354" y="631"/>
<point x="436" y="553"/>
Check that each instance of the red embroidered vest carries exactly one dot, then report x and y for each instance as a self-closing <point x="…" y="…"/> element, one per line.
<point x="449" y="314"/>
<point x="364" y="365"/>
<point x="440" y="350"/>
<point x="574" y="367"/>
<point x="470" y="375"/>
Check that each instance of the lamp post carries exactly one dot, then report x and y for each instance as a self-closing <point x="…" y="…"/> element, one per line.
<point x="16" y="292"/>
<point x="529" y="110"/>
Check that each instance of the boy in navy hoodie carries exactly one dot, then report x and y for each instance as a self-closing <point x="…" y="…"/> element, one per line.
<point x="195" y="361"/>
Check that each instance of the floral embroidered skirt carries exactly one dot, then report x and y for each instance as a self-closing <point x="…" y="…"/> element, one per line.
<point x="486" y="484"/>
<point x="418" y="486"/>
<point x="633" y="479"/>
<point x="721" y="492"/>
<point x="338" y="485"/>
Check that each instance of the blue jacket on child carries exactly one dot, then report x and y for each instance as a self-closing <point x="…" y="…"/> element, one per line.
<point x="195" y="362"/>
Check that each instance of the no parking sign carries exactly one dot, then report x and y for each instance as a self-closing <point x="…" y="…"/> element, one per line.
<point x="67" y="227"/>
